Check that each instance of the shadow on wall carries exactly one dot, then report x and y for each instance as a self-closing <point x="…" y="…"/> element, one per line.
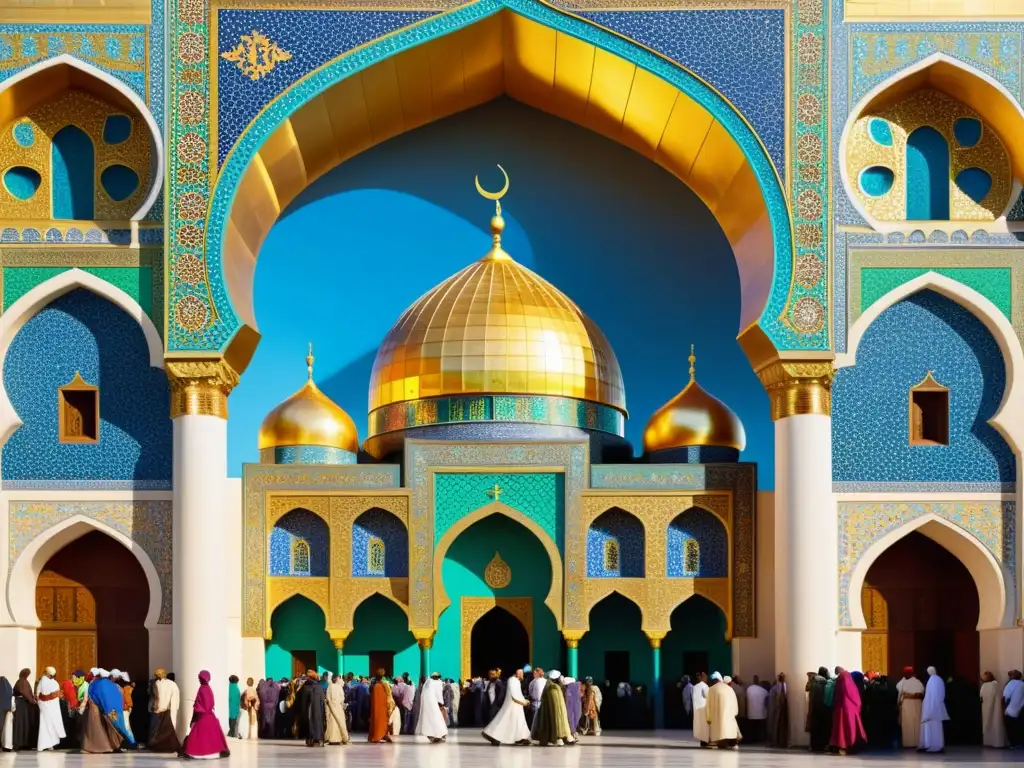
<point x="634" y="247"/>
<point x="85" y="333"/>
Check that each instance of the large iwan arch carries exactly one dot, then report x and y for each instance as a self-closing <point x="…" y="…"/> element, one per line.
<point x="544" y="58"/>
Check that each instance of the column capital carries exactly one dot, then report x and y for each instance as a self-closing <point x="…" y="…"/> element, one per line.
<point x="200" y="387"/>
<point x="655" y="638"/>
<point x="339" y="639"/>
<point x="798" y="387"/>
<point x="573" y="637"/>
<point x="425" y="642"/>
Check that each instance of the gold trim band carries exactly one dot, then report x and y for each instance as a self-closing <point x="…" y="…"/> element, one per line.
<point x="200" y="387"/>
<point x="798" y="388"/>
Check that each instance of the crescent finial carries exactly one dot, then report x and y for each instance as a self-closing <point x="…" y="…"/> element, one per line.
<point x="492" y="195"/>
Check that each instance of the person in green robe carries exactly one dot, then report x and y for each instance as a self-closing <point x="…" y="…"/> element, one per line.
<point x="234" y="706"/>
<point x="551" y="726"/>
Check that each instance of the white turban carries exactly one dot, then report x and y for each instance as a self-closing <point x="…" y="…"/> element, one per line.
<point x="50" y="671"/>
<point x="554" y="674"/>
<point x="94" y="671"/>
<point x="726" y="679"/>
<point x="115" y="673"/>
<point x="102" y="673"/>
<point x="932" y="671"/>
<point x="569" y="680"/>
<point x="124" y="676"/>
<point x="716" y="676"/>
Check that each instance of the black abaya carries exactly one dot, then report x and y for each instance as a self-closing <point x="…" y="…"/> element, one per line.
<point x="315" y="702"/>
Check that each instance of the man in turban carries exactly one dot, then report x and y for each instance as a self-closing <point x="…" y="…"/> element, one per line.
<point x="933" y="714"/>
<point x="163" y="736"/>
<point x="51" y="725"/>
<point x="909" y="698"/>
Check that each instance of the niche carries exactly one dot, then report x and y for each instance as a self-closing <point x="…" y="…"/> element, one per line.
<point x="78" y="404"/>
<point x="929" y="413"/>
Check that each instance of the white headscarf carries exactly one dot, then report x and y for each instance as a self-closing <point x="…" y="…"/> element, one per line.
<point x="50" y="671"/>
<point x="102" y="673"/>
<point x="554" y="674"/>
<point x="124" y="676"/>
<point x="726" y="679"/>
<point x="569" y="680"/>
<point x="115" y="674"/>
<point x="716" y="676"/>
<point x="932" y="671"/>
<point x="94" y="671"/>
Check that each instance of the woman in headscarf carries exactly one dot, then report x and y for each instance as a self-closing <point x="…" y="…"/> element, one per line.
<point x="99" y="733"/>
<point x="249" y="728"/>
<point x="847" y="729"/>
<point x="819" y="713"/>
<point x="337" y="729"/>
<point x="380" y="694"/>
<point x="26" y="713"/>
<point x="205" y="738"/>
<point x="573" y="705"/>
<point x="6" y="715"/>
<point x="551" y="725"/>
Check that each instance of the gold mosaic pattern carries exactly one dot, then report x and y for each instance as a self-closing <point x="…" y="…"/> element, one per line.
<point x="89" y="113"/>
<point x="475" y="608"/>
<point x="936" y="109"/>
<point x="281" y="588"/>
<point x="495" y="327"/>
<point x="497" y="574"/>
<point x="656" y="594"/>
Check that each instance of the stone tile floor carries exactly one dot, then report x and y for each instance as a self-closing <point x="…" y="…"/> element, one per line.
<point x="669" y="749"/>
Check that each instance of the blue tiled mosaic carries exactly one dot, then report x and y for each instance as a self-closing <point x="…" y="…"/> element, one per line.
<point x="621" y="527"/>
<point x="309" y="38"/>
<point x="299" y="525"/>
<point x="742" y="53"/>
<point x="707" y="530"/>
<point x="380" y="524"/>
<point x="870" y="401"/>
<point x="308" y="454"/>
<point x="85" y="333"/>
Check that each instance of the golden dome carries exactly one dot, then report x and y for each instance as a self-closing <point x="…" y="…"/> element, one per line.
<point x="495" y="328"/>
<point x="309" y="417"/>
<point x="694" y="418"/>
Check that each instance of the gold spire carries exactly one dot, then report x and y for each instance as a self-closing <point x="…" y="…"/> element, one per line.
<point x="309" y="361"/>
<point x="693" y="364"/>
<point x="497" y="253"/>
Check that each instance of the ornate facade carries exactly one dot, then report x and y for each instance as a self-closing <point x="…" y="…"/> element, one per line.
<point x="862" y="162"/>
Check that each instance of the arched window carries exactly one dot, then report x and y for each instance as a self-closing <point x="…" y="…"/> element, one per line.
<point x="611" y="555"/>
<point x="691" y="557"/>
<point x="74" y="171"/>
<point x="927" y="175"/>
<point x="300" y="558"/>
<point x="376" y="556"/>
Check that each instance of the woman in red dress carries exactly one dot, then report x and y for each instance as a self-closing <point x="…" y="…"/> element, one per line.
<point x="205" y="737"/>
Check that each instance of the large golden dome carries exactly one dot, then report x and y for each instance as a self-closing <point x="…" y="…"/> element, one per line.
<point x="694" y="418"/>
<point x="495" y="328"/>
<point x="309" y="418"/>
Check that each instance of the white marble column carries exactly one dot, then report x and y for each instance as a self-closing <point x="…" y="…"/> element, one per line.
<point x="806" y="536"/>
<point x="201" y="633"/>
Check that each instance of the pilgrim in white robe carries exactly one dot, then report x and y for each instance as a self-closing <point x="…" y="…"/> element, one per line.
<point x="700" y="721"/>
<point x="992" y="724"/>
<point x="431" y="722"/>
<point x="910" y="695"/>
<point x="51" y="724"/>
<point x="933" y="714"/>
<point x="721" y="712"/>
<point x="509" y="724"/>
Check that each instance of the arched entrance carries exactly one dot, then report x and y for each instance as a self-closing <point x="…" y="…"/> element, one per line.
<point x="921" y="608"/>
<point x="299" y="640"/>
<point x="381" y="640"/>
<point x="696" y="643"/>
<point x="92" y="598"/>
<point x="499" y="641"/>
<point x="615" y="650"/>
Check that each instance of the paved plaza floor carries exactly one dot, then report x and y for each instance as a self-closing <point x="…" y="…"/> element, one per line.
<point x="669" y="749"/>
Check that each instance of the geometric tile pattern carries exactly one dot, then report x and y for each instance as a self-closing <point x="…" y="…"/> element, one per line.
<point x="299" y="525"/>
<point x="626" y="533"/>
<point x="712" y="541"/>
<point x="383" y="525"/>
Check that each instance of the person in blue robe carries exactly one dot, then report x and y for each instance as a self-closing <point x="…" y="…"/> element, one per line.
<point x="108" y="697"/>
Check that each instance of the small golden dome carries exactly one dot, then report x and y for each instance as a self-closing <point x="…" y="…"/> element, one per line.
<point x="497" y="328"/>
<point x="309" y="417"/>
<point x="694" y="418"/>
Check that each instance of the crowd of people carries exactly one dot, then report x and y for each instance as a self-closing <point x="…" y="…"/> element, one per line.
<point x="102" y="712"/>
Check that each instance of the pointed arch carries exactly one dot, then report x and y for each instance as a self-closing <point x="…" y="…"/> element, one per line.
<point x="968" y="85"/>
<point x="993" y="582"/>
<point x="21" y="91"/>
<point x="29" y="305"/>
<point x="21" y="593"/>
<point x="1008" y="419"/>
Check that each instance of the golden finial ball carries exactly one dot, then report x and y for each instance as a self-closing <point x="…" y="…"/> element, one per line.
<point x="497" y="224"/>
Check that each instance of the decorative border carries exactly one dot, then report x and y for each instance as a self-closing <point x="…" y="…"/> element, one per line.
<point x="938" y="487"/>
<point x="937" y="258"/>
<point x="85" y="485"/>
<point x="190" y="87"/>
<point x="423" y="457"/>
<point x="993" y="524"/>
<point x="676" y="477"/>
<point x="306" y="454"/>
<point x="28" y="520"/>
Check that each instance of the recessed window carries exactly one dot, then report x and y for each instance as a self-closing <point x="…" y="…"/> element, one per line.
<point x="376" y="556"/>
<point x="929" y="413"/>
<point x="691" y="557"/>
<point x="300" y="558"/>
<point x="611" y="555"/>
<point x="78" y="412"/>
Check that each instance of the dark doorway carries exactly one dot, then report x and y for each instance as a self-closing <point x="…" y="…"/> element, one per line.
<point x="382" y="660"/>
<point x="616" y="666"/>
<point x="694" y="662"/>
<point x="92" y="598"/>
<point x="498" y="641"/>
<point x="303" y="661"/>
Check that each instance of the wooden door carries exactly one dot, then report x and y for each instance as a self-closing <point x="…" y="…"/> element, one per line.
<point x="874" y="642"/>
<point x="303" y="661"/>
<point x="67" y="637"/>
